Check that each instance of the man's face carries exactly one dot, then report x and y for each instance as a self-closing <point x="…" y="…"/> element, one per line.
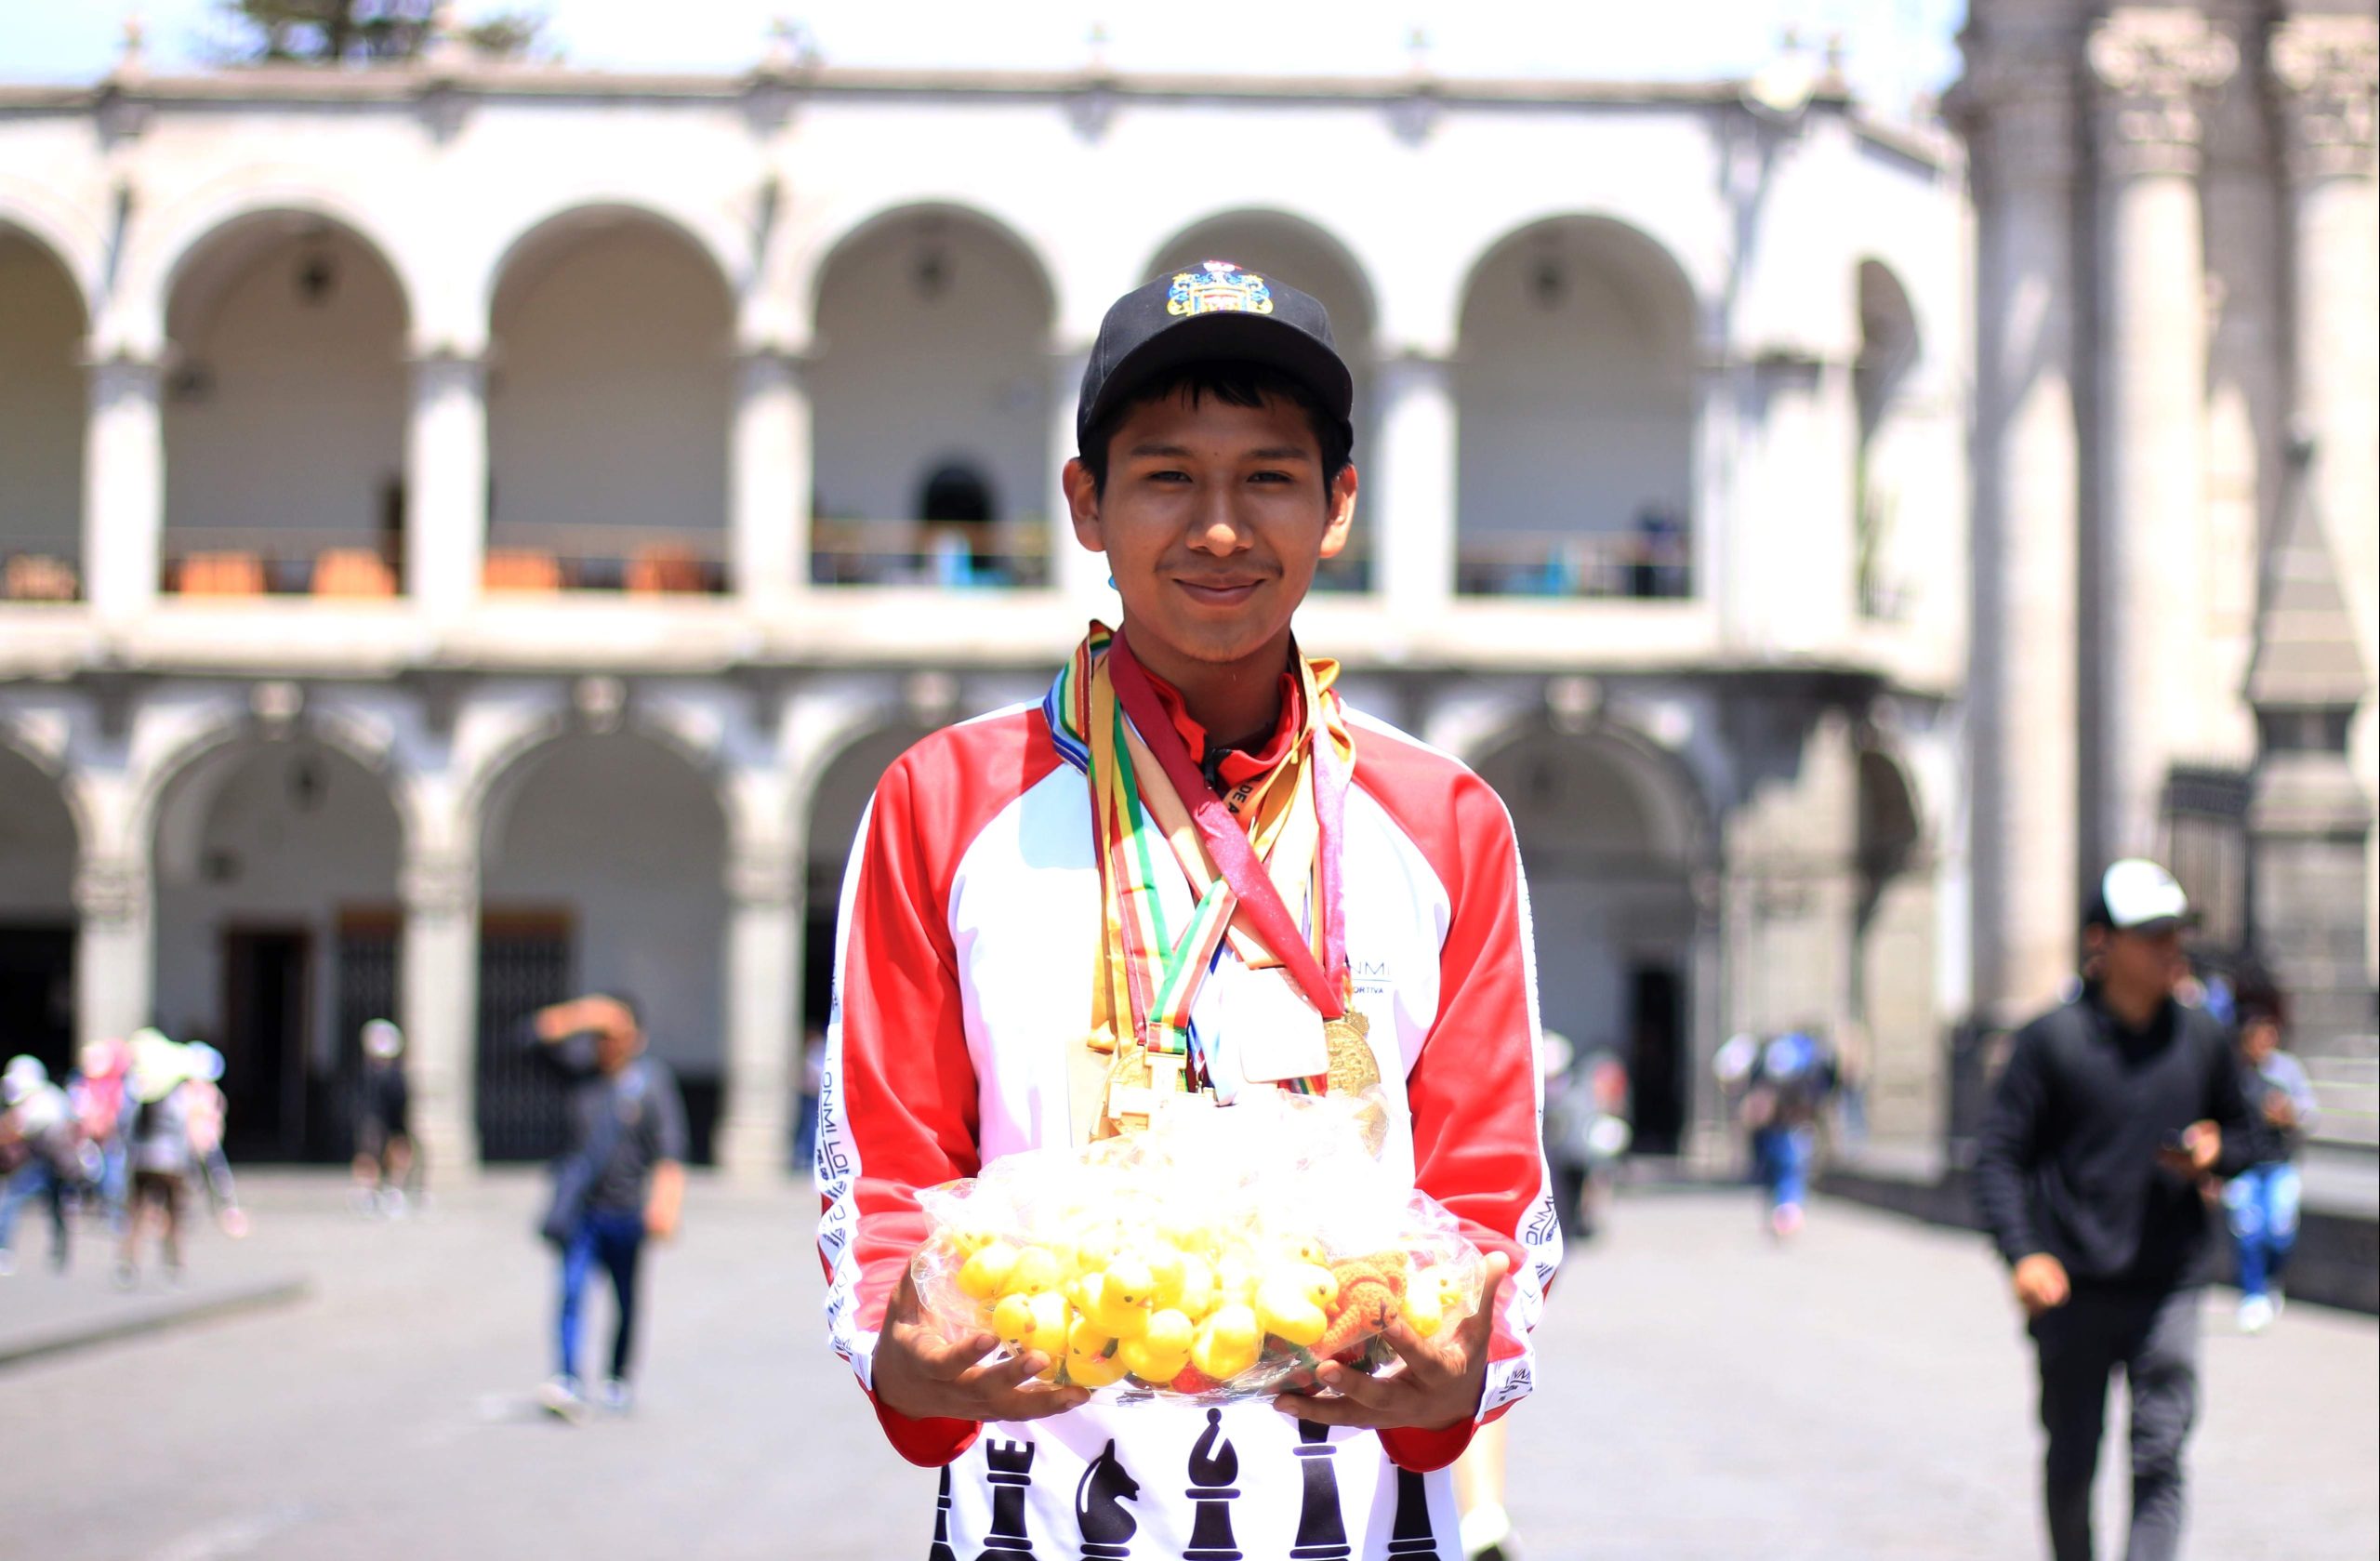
<point x="2259" y="1039"/>
<point x="1213" y="520"/>
<point x="2145" y="961"/>
<point x="615" y="1048"/>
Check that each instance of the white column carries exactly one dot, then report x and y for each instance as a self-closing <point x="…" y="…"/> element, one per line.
<point x="438" y="966"/>
<point x="1082" y="575"/>
<point x="762" y="961"/>
<point x="769" y="509"/>
<point x="113" y="947"/>
<point x="1409" y="507"/>
<point x="1709" y="525"/>
<point x="2325" y="68"/>
<point x="124" y="487"/>
<point x="2019" y="114"/>
<point x="2152" y="70"/>
<point x="446" y="482"/>
<point x="1796" y="568"/>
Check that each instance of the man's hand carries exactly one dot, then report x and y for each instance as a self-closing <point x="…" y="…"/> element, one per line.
<point x="2280" y="1110"/>
<point x="2041" y="1284"/>
<point x="2201" y="1146"/>
<point x="1434" y="1383"/>
<point x="662" y="1205"/>
<point x="925" y="1376"/>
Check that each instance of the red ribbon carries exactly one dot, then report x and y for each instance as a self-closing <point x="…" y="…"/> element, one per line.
<point x="1227" y="842"/>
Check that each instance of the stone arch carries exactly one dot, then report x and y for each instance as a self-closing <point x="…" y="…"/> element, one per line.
<point x="566" y="222"/>
<point x="1575" y="389"/>
<point x="276" y="852"/>
<point x="61" y="230"/>
<point x="612" y="332"/>
<point x="858" y="227"/>
<point x="1615" y="837"/>
<point x="601" y="849"/>
<point x="228" y="725"/>
<point x="194" y="229"/>
<point x="289" y="329"/>
<point x="43" y="409"/>
<point x="931" y="345"/>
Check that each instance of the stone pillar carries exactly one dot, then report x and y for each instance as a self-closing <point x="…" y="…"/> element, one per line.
<point x="769" y="504"/>
<point x="2325" y="68"/>
<point x="763" y="960"/>
<point x="2017" y="105"/>
<point x="113" y="947"/>
<point x="1082" y="575"/>
<point x="1796" y="563"/>
<point x="1709" y="525"/>
<point x="446" y="482"/>
<point x="124" y="487"/>
<point x="2153" y="70"/>
<point x="1411" y="507"/>
<point x="438" y="965"/>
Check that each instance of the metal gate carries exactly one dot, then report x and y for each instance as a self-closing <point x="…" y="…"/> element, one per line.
<point x="524" y="964"/>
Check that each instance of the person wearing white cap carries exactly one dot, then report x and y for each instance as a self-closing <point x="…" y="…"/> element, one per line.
<point x="384" y="1151"/>
<point x="2112" y="1108"/>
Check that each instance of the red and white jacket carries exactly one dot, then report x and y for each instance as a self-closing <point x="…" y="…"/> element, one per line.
<point x="963" y="977"/>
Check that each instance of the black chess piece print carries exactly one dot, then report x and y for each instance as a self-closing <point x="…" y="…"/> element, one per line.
<point x="1009" y="1467"/>
<point x="940" y="1549"/>
<point x="1213" y="1465"/>
<point x="1410" y="1533"/>
<point x="1322" y="1533"/>
<point x="1099" y="1507"/>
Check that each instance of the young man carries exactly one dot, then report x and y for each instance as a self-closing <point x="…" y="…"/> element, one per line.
<point x="621" y="1180"/>
<point x="2112" y="1109"/>
<point x="1023" y="883"/>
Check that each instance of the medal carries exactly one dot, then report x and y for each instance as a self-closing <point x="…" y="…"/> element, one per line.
<point x="1352" y="1066"/>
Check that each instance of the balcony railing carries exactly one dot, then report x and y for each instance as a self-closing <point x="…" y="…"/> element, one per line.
<point x="276" y="560"/>
<point x="639" y="559"/>
<point x="37" y="572"/>
<point x="951" y="554"/>
<point x="1651" y="565"/>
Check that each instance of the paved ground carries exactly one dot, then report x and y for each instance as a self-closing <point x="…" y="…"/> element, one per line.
<point x="1707" y="1399"/>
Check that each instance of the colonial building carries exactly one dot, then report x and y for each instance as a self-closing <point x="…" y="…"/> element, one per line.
<point x="474" y="532"/>
<point x="2178" y="486"/>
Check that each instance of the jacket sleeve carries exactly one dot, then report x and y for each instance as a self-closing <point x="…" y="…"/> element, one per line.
<point x="2235" y="1112"/>
<point x="897" y="1099"/>
<point x="1474" y="1092"/>
<point x="2009" y="1146"/>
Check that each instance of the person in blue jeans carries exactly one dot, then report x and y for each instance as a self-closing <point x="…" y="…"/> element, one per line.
<point x="621" y="1179"/>
<point x="1780" y="1086"/>
<point x="2260" y="1204"/>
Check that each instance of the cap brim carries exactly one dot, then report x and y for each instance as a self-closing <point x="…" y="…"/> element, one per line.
<point x="2156" y="924"/>
<point x="1235" y="337"/>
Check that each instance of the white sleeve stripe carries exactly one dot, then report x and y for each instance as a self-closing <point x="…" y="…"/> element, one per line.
<point x="836" y="1165"/>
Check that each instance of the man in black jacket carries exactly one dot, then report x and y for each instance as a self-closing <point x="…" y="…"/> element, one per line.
<point x="2111" y="1111"/>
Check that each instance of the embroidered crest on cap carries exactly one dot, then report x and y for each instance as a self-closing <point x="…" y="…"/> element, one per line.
<point x="1218" y="288"/>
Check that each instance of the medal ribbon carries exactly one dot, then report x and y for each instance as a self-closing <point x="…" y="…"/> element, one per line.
<point x="1323" y="980"/>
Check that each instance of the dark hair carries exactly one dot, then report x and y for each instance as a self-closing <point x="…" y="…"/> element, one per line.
<point x="1235" y="383"/>
<point x="2255" y="996"/>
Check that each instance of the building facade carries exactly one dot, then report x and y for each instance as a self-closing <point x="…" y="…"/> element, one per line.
<point x="473" y="532"/>
<point x="2177" y="487"/>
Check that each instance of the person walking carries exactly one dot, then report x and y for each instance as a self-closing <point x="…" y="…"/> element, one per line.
<point x="2111" y="1109"/>
<point x="384" y="1148"/>
<point x="160" y="1151"/>
<point x="621" y="1180"/>
<point x="1387" y="930"/>
<point x="1780" y="1087"/>
<point x="2260" y="1204"/>
<point x="39" y="1155"/>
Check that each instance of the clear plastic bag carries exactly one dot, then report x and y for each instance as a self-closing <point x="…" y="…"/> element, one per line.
<point x="1221" y="1254"/>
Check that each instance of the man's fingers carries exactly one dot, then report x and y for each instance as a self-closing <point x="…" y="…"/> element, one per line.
<point x="1358" y="1387"/>
<point x="943" y="1359"/>
<point x="1323" y="1411"/>
<point x="1013" y="1372"/>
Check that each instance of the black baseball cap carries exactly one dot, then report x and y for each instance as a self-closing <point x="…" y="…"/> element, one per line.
<point x="1212" y="312"/>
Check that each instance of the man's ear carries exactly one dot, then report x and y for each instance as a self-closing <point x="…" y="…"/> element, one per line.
<point x="1082" y="505"/>
<point x="1342" y="522"/>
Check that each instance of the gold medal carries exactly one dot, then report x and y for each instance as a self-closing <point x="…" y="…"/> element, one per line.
<point x="1352" y="1066"/>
